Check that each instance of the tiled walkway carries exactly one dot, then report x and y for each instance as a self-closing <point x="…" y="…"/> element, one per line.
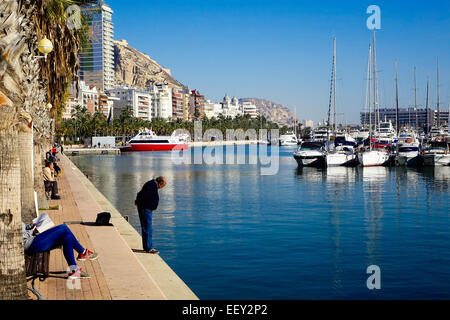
<point x="117" y="274"/>
<point x="57" y="287"/>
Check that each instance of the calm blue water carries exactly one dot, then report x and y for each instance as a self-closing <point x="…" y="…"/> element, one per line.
<point x="231" y="233"/>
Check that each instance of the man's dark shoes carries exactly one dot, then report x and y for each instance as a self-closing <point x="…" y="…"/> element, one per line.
<point x="56" y="197"/>
<point x="154" y="251"/>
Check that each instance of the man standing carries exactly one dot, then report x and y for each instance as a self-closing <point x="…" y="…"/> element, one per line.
<point x="147" y="201"/>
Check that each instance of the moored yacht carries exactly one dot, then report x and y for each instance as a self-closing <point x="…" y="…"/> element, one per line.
<point x="321" y="134"/>
<point x="288" y="140"/>
<point x="437" y="154"/>
<point x="310" y="154"/>
<point x="407" y="152"/>
<point x="148" y="141"/>
<point x="372" y="158"/>
<point x="343" y="153"/>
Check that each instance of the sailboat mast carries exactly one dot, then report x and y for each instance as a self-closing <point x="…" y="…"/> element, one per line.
<point x="334" y="81"/>
<point x="397" y="122"/>
<point x="375" y="85"/>
<point x="295" y="121"/>
<point x="331" y="95"/>
<point x="415" y="99"/>
<point x="438" y="112"/>
<point x="428" y="120"/>
<point x="369" y="72"/>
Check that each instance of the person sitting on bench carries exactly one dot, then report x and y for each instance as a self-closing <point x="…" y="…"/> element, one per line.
<point x="49" y="179"/>
<point x="49" y="157"/>
<point x="61" y="235"/>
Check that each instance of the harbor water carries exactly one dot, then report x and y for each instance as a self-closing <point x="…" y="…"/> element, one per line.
<point x="231" y="233"/>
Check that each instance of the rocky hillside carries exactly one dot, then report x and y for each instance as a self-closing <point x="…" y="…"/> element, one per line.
<point x="137" y="69"/>
<point x="272" y="111"/>
<point x="134" y="68"/>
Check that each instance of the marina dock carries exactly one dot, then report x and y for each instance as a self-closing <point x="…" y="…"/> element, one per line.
<point x="121" y="271"/>
<point x="91" y="151"/>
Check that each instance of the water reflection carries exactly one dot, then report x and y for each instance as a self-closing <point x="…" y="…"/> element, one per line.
<point x="324" y="225"/>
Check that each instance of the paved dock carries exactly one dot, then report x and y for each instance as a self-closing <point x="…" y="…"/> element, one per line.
<point x="119" y="273"/>
<point x="90" y="151"/>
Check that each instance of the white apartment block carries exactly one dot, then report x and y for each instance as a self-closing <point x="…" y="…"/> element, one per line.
<point x="139" y="101"/>
<point x="87" y="96"/>
<point x="250" y="109"/>
<point x="213" y="109"/>
<point x="161" y="101"/>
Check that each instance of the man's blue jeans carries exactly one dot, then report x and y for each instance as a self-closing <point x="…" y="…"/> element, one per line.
<point x="145" y="216"/>
<point x="54" y="238"/>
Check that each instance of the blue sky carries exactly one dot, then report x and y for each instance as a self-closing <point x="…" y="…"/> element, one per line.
<point x="282" y="50"/>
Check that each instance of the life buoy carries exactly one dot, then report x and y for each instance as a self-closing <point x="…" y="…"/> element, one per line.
<point x="409" y="140"/>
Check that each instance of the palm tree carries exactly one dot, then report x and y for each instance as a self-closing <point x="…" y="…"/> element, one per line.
<point x="26" y="85"/>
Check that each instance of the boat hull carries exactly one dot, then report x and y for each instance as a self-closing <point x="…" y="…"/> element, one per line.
<point x="153" y="147"/>
<point x="408" y="160"/>
<point x="310" y="161"/>
<point x="373" y="158"/>
<point x="436" y="160"/>
<point x="341" y="159"/>
<point x="288" y="144"/>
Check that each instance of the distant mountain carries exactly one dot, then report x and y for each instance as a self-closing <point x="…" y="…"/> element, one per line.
<point x="134" y="68"/>
<point x="272" y="111"/>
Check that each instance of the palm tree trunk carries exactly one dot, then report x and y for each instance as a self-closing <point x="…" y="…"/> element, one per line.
<point x="25" y="143"/>
<point x="12" y="262"/>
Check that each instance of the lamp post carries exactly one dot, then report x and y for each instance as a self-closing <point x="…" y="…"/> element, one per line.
<point x="45" y="46"/>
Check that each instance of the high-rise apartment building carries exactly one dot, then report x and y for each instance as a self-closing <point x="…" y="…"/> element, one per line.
<point x="196" y="105"/>
<point x="161" y="101"/>
<point x="179" y="103"/>
<point x="97" y="59"/>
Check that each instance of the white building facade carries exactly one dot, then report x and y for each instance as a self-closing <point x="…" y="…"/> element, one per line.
<point x="139" y="101"/>
<point x="161" y="101"/>
<point x="250" y="109"/>
<point x="213" y="109"/>
<point x="231" y="107"/>
<point x="87" y="96"/>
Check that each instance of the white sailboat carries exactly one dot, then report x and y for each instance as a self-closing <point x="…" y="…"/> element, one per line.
<point x="371" y="157"/>
<point x="339" y="155"/>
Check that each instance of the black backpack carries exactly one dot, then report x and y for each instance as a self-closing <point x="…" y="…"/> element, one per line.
<point x="103" y="219"/>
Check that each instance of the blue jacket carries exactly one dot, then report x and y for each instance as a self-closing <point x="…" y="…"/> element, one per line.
<point x="148" y="197"/>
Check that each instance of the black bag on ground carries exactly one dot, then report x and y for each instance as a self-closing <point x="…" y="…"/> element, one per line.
<point x="103" y="219"/>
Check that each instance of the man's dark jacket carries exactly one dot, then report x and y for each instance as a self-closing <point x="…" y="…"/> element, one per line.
<point x="148" y="197"/>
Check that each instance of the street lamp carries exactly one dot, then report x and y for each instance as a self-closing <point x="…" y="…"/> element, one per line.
<point x="45" y="46"/>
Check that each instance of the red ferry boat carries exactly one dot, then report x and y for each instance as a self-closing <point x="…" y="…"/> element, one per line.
<point x="148" y="141"/>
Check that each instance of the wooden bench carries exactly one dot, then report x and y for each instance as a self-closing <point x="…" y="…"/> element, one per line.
<point x="37" y="267"/>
